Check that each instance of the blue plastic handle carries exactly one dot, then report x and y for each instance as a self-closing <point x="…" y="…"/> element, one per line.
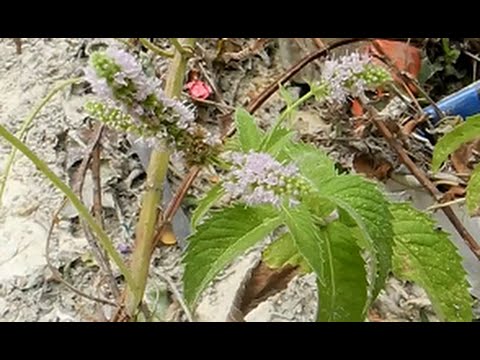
<point x="464" y="103"/>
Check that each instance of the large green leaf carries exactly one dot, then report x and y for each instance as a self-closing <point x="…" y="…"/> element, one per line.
<point x="313" y="163"/>
<point x="368" y="208"/>
<point x="249" y="133"/>
<point x="205" y="203"/>
<point x="473" y="191"/>
<point x="334" y="256"/>
<point x="219" y="240"/>
<point x="427" y="256"/>
<point x="343" y="293"/>
<point x="451" y="142"/>
<point x="283" y="252"/>
<point x="305" y="235"/>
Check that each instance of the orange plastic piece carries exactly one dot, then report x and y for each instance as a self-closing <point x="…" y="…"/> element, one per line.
<point x="357" y="109"/>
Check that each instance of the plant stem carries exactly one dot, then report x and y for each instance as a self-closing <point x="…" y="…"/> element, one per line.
<point x="26" y="125"/>
<point x="155" y="49"/>
<point x="82" y="210"/>
<point x="156" y="173"/>
<point x="285" y="115"/>
<point x="182" y="49"/>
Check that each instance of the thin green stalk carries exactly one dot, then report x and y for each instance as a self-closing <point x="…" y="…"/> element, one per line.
<point x="155" y="49"/>
<point x="25" y="127"/>
<point x="156" y="173"/>
<point x="285" y="115"/>
<point x="82" y="210"/>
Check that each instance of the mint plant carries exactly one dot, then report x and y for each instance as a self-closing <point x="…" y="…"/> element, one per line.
<point x="340" y="227"/>
<point x="275" y="191"/>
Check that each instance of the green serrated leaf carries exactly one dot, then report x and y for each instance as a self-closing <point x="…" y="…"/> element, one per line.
<point x="367" y="206"/>
<point x="205" y="204"/>
<point x="279" y="139"/>
<point x="343" y="293"/>
<point x="305" y="236"/>
<point x="428" y="257"/>
<point x="219" y="240"/>
<point x="283" y="252"/>
<point x="451" y="142"/>
<point x="313" y="163"/>
<point x="249" y="133"/>
<point x="335" y="258"/>
<point x="473" y="191"/>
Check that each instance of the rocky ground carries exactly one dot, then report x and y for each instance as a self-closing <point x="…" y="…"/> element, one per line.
<point x="29" y="292"/>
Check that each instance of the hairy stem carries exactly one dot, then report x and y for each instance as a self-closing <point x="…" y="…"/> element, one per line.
<point x="82" y="210"/>
<point x="155" y="49"/>
<point x="156" y="173"/>
<point x="26" y="125"/>
<point x="182" y="49"/>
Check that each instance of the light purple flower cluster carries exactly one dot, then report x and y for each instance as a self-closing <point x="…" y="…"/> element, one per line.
<point x="116" y="75"/>
<point x="259" y="179"/>
<point x="120" y="81"/>
<point x="132" y="70"/>
<point x="351" y="74"/>
<point x="337" y="73"/>
<point x="186" y="113"/>
<point x="99" y="85"/>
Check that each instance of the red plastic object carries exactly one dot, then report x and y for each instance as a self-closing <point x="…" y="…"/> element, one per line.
<point x="199" y="90"/>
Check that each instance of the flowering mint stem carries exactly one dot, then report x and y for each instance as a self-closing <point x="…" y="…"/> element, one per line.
<point x="82" y="210"/>
<point x="26" y="125"/>
<point x="155" y="49"/>
<point x="156" y="173"/>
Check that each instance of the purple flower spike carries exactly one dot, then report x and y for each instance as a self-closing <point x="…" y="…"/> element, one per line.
<point x="131" y="69"/>
<point x="337" y="73"/>
<point x="258" y="179"/>
<point x="99" y="85"/>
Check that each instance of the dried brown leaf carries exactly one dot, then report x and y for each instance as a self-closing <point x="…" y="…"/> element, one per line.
<point x="453" y="193"/>
<point x="263" y="283"/>
<point x="372" y="167"/>
<point x="461" y="158"/>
